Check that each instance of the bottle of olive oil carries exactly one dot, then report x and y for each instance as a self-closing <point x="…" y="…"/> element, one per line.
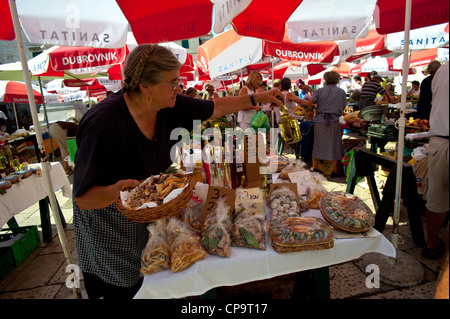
<point x="288" y="125"/>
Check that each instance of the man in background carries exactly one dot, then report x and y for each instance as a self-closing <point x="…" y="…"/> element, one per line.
<point x="436" y="193"/>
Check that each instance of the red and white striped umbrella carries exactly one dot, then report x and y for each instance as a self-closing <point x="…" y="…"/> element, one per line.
<point x="230" y="52"/>
<point x="423" y="57"/>
<point x="104" y="23"/>
<point x="16" y="92"/>
<point x="81" y="60"/>
<point x="383" y="66"/>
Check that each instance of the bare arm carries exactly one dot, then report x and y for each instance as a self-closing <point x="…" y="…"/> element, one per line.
<point x="292" y="97"/>
<point x="102" y="196"/>
<point x="232" y="104"/>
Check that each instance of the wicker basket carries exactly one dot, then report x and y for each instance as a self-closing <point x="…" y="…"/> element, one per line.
<point x="325" y="211"/>
<point x="147" y="215"/>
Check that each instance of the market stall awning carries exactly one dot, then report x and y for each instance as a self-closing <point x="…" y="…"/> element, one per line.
<point x="423" y="57"/>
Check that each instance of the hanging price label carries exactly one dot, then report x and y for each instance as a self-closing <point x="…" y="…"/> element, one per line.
<point x="214" y="194"/>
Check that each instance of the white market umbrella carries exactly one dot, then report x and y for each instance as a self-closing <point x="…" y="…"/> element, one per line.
<point x="45" y="164"/>
<point x="423" y="57"/>
<point x="435" y="36"/>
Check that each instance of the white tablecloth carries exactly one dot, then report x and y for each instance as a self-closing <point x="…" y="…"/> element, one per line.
<point x="31" y="190"/>
<point x="246" y="265"/>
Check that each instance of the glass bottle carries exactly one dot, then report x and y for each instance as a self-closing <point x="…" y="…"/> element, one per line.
<point x="199" y="174"/>
<point x="2" y="160"/>
<point x="233" y="172"/>
<point x="288" y="125"/>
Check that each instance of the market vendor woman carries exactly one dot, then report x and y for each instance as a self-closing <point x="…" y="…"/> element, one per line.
<point x="331" y="101"/>
<point x="124" y="139"/>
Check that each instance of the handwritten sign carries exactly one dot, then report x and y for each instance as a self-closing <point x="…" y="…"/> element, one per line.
<point x="214" y="194"/>
<point x="252" y="196"/>
<point x="303" y="179"/>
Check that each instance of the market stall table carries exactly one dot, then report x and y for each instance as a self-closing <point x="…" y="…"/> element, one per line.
<point x="246" y="265"/>
<point x="32" y="190"/>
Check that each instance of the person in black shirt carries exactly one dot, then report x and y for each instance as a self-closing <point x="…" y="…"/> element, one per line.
<point x="425" y="96"/>
<point x="60" y="131"/>
<point x="369" y="92"/>
<point x="124" y="139"/>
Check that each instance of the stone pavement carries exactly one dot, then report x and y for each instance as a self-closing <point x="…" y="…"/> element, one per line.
<point x="42" y="275"/>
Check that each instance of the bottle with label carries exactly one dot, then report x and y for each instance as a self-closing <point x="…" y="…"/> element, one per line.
<point x="266" y="181"/>
<point x="288" y="125"/>
<point x="233" y="173"/>
<point x="199" y="174"/>
<point x="226" y="175"/>
<point x="243" y="182"/>
<point x="2" y="160"/>
<point x="216" y="176"/>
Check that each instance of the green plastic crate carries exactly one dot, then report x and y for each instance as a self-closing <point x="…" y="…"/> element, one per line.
<point x="20" y="241"/>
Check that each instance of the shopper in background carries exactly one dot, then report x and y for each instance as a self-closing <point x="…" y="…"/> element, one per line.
<point x="369" y="91"/>
<point x="210" y="93"/>
<point x="437" y="190"/>
<point x="192" y="92"/>
<point x="304" y="89"/>
<point x="415" y="90"/>
<point x="290" y="99"/>
<point x="60" y="131"/>
<point x="254" y="81"/>
<point x="331" y="101"/>
<point x="426" y="95"/>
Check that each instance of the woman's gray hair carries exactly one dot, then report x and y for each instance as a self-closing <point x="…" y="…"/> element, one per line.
<point x="145" y="64"/>
<point x="331" y="77"/>
<point x="433" y="66"/>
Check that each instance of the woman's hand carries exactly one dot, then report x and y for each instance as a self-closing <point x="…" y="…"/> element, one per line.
<point x="98" y="197"/>
<point x="125" y="184"/>
<point x="269" y="97"/>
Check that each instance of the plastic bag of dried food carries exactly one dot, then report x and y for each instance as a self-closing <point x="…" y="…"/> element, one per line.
<point x="248" y="231"/>
<point x="186" y="247"/>
<point x="242" y="203"/>
<point x="192" y="214"/>
<point x="217" y="230"/>
<point x="248" y="226"/>
<point x="292" y="167"/>
<point x="314" y="194"/>
<point x="156" y="254"/>
<point x="283" y="202"/>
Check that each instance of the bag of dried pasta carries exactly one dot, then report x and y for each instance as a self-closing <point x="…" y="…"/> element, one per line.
<point x="156" y="254"/>
<point x="217" y="230"/>
<point x="248" y="226"/>
<point x="186" y="247"/>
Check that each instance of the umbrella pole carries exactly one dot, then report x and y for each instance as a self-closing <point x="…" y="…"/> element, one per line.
<point x="46" y="120"/>
<point x="403" y="270"/>
<point x="401" y="127"/>
<point x="15" y="116"/>
<point x="45" y="164"/>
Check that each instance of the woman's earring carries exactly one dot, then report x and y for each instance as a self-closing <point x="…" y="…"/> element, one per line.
<point x="149" y="102"/>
